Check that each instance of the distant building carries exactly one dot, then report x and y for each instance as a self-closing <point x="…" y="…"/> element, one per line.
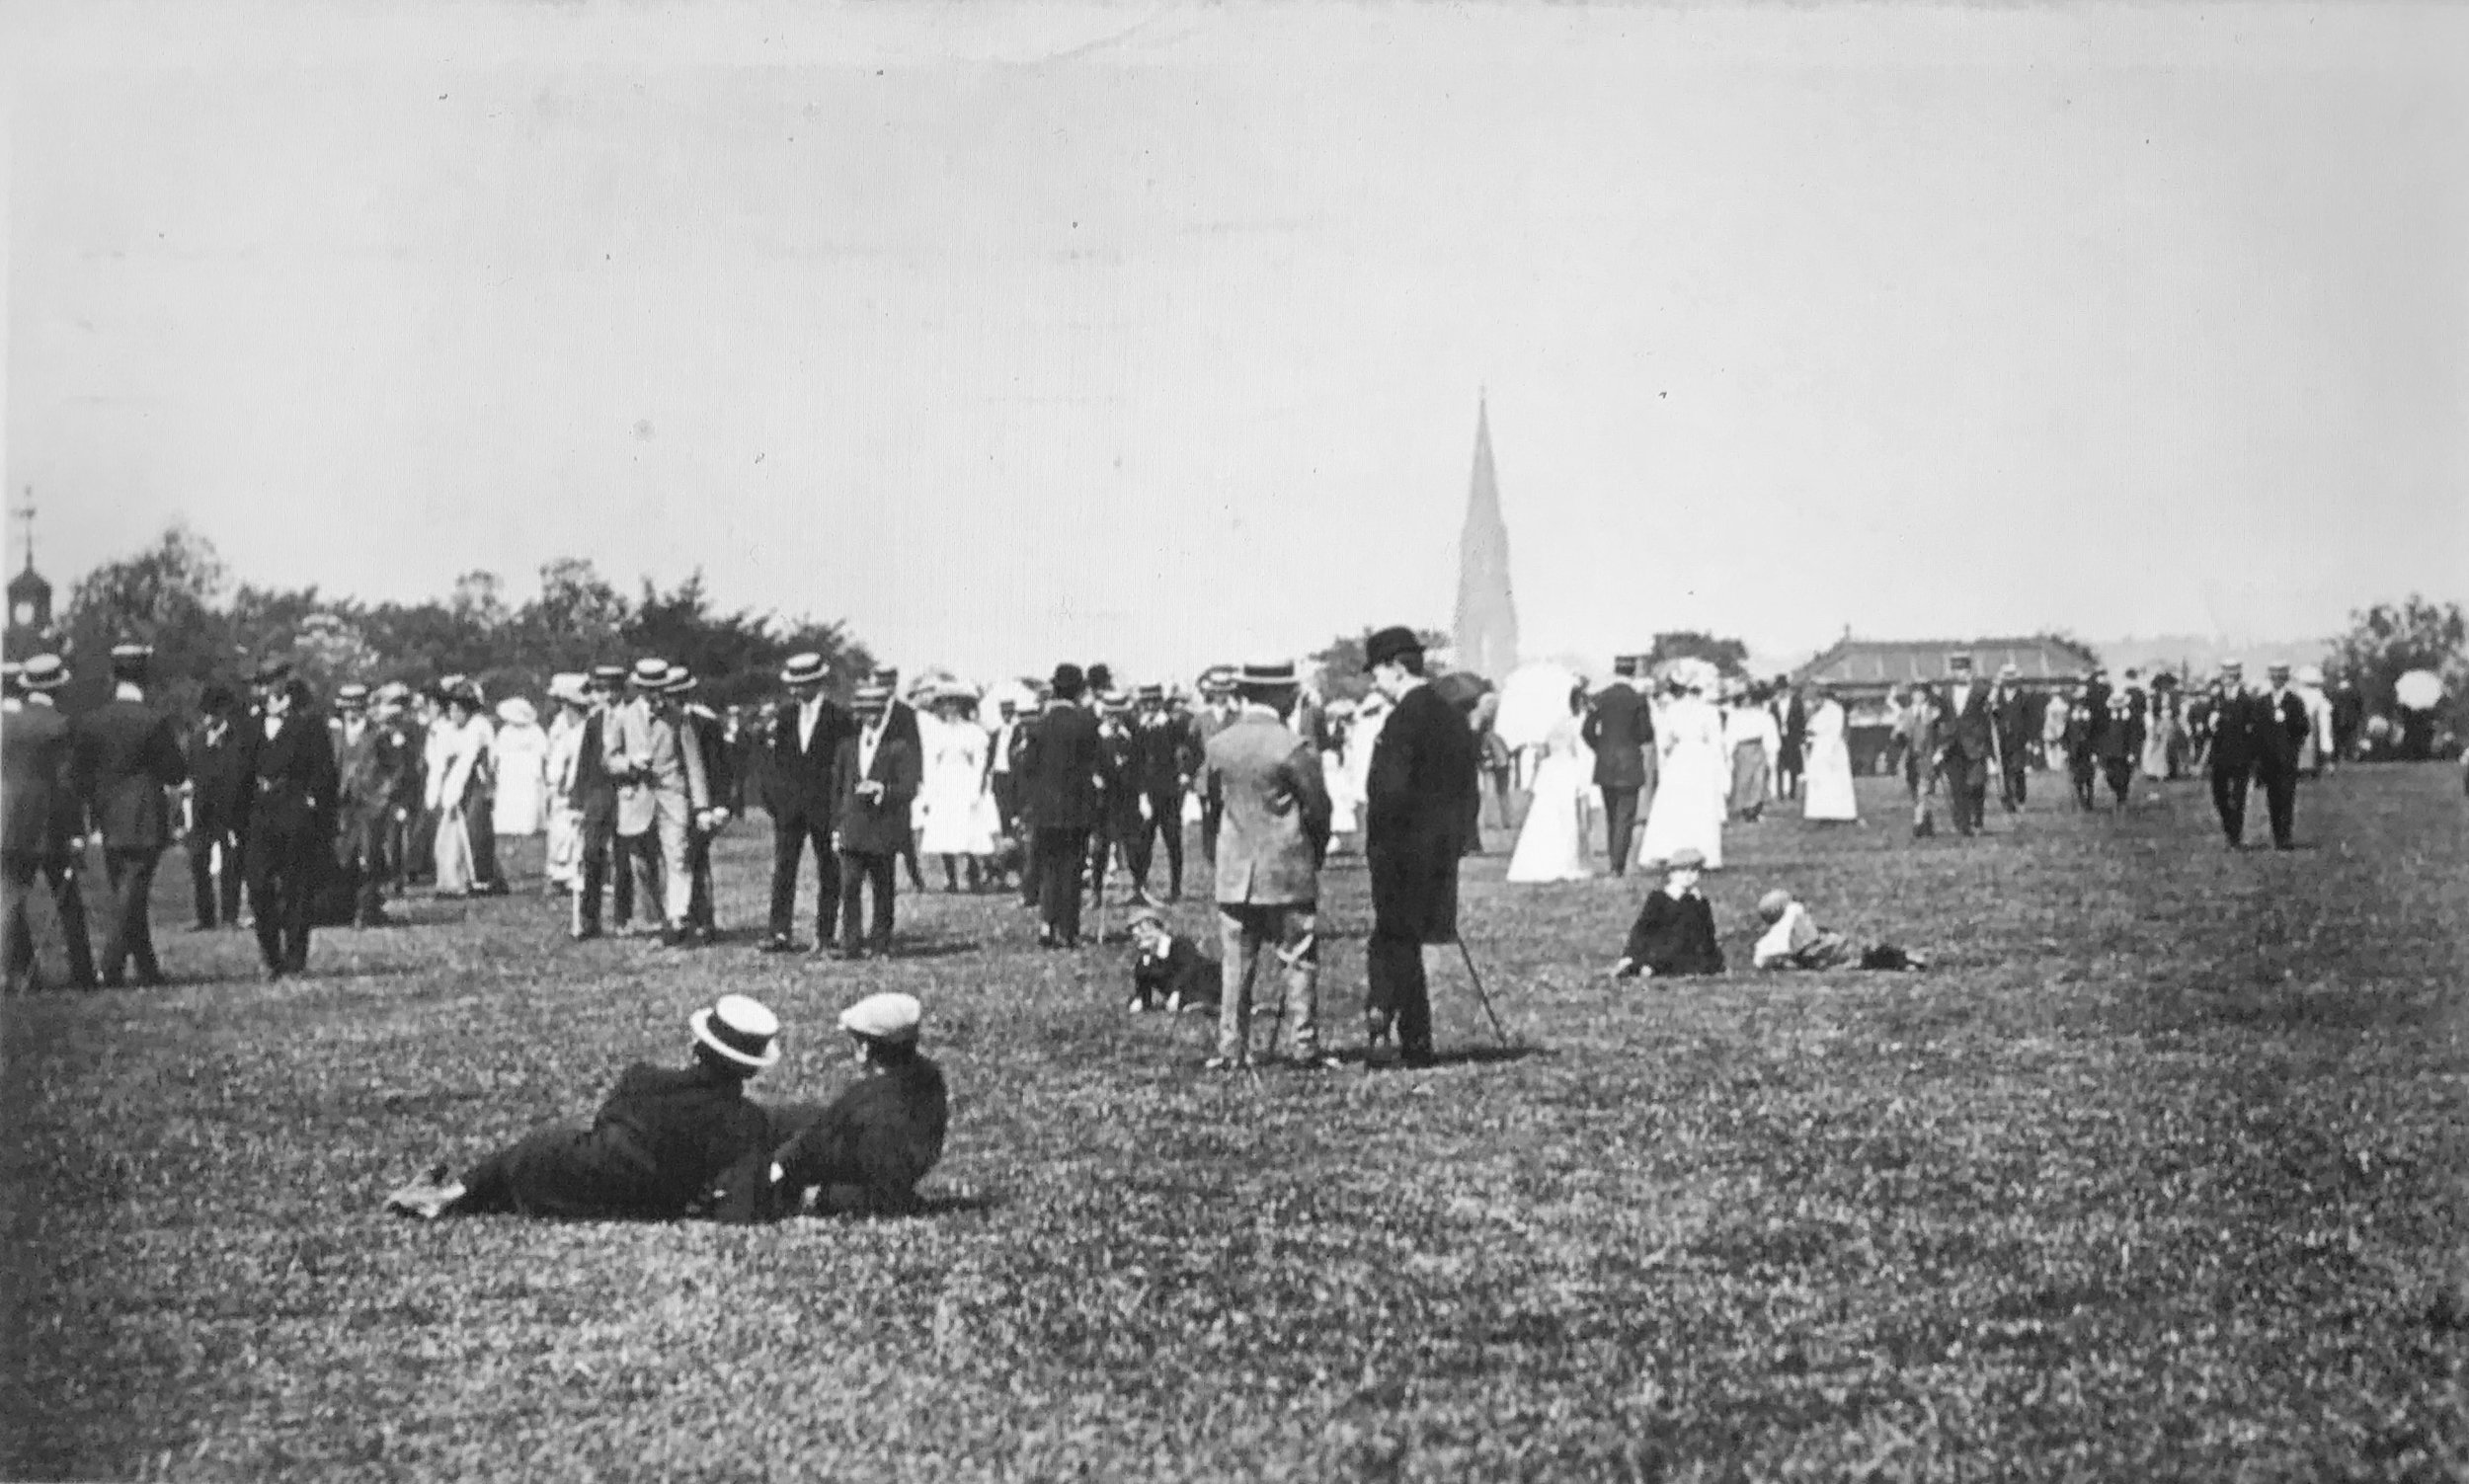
<point x="30" y="603"/>
<point x="1484" y="637"/>
<point x="1862" y="671"/>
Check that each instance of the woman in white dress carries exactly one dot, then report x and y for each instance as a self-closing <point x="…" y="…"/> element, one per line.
<point x="462" y="783"/>
<point x="523" y="770"/>
<point x="1692" y="779"/>
<point x="1551" y="843"/>
<point x="1338" y="776"/>
<point x="563" y="864"/>
<point x="1827" y="797"/>
<point x="955" y="810"/>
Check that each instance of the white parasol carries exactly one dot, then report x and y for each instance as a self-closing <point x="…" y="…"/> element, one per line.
<point x="1534" y="700"/>
<point x="2419" y="690"/>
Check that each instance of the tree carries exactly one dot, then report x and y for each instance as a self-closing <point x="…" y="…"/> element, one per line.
<point x="1345" y="675"/>
<point x="1728" y="655"/>
<point x="2388" y="640"/>
<point x="165" y="596"/>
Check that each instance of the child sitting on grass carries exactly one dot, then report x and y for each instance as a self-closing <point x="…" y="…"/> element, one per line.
<point x="1170" y="970"/>
<point x="1674" y="933"/>
<point x="1793" y="940"/>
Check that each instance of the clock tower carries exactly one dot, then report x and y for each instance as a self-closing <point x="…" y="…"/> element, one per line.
<point x="30" y="596"/>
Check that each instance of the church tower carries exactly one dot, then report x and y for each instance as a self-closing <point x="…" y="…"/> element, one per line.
<point x="1484" y="637"/>
<point x="30" y="597"/>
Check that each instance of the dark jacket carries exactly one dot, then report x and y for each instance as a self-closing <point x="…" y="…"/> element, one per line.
<point x="223" y="774"/>
<point x="1421" y="789"/>
<point x="667" y="1142"/>
<point x="1967" y="732"/>
<point x="1620" y="727"/>
<point x="719" y="766"/>
<point x="877" y="826"/>
<point x="2280" y="728"/>
<point x="1059" y="769"/>
<point x="40" y="786"/>
<point x="881" y="1136"/>
<point x="1179" y="977"/>
<point x="131" y="754"/>
<point x="1674" y="936"/>
<point x="370" y="769"/>
<point x="798" y="787"/>
<point x="294" y="772"/>
<point x="1162" y="755"/>
<point x="596" y="792"/>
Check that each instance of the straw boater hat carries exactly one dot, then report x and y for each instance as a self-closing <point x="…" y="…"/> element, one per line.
<point x="130" y="660"/>
<point x="738" y="1029"/>
<point x="1151" y="692"/>
<point x="681" y="681"/>
<point x="608" y="676"/>
<point x="806" y="669"/>
<point x="1217" y="680"/>
<point x="350" y="697"/>
<point x="1149" y="915"/>
<point x="650" y="673"/>
<point x="871" y="699"/>
<point x="889" y="1019"/>
<point x="42" y="672"/>
<point x="1262" y="678"/>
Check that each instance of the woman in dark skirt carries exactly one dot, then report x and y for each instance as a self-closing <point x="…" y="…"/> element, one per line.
<point x="667" y="1143"/>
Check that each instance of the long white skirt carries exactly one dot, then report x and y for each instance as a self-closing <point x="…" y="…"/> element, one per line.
<point x="1687" y="808"/>
<point x="1827" y="786"/>
<point x="1551" y="845"/>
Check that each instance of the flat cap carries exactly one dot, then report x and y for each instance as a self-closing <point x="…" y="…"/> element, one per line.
<point x="890" y="1018"/>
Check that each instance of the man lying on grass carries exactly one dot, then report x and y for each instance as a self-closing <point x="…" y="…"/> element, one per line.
<point x="1674" y="933"/>
<point x="672" y="1145"/>
<point x="1793" y="940"/>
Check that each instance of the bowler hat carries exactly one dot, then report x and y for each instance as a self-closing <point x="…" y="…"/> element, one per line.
<point x="890" y="1018"/>
<point x="738" y="1029"/>
<point x="1069" y="681"/>
<point x="1386" y="645"/>
<point x="804" y="668"/>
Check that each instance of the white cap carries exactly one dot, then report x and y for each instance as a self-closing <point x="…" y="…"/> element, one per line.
<point x="889" y="1017"/>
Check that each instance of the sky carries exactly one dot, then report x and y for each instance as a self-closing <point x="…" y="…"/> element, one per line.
<point x="1157" y="334"/>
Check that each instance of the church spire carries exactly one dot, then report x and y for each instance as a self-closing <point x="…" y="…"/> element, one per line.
<point x="1486" y="633"/>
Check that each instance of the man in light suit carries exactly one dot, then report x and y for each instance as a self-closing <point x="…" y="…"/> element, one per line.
<point x="131" y="755"/>
<point x="1968" y="743"/>
<point x="806" y="734"/>
<point x="660" y="788"/>
<point x="41" y="815"/>
<point x="1273" y="828"/>
<point x="875" y="779"/>
<point x="1620" y="729"/>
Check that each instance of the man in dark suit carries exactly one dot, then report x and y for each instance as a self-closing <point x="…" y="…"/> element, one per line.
<point x="596" y="799"/>
<point x="1424" y="769"/>
<point x="1058" y="790"/>
<point x="902" y="717"/>
<point x="2236" y="716"/>
<point x="2087" y="721"/>
<point x="292" y="818"/>
<point x="2280" y="737"/>
<point x="1620" y="727"/>
<point x="1792" y="724"/>
<point x="2010" y="713"/>
<point x="1161" y="749"/>
<point x="702" y="730"/>
<point x="220" y="781"/>
<point x="371" y="756"/>
<point x="807" y="730"/>
<point x="1217" y="711"/>
<point x="131" y="754"/>
<point x="1967" y="741"/>
<point x="875" y="776"/>
<point x="1118" y="790"/>
<point x="42" y="818"/>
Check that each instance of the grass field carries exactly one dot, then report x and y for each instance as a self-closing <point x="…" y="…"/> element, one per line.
<point x="2154" y="1176"/>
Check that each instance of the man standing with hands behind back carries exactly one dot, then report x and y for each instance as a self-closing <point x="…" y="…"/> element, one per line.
<point x="1620" y="729"/>
<point x="131" y="756"/>
<point x="1424" y="773"/>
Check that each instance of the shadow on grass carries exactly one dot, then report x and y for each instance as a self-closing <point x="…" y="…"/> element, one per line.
<point x="1465" y="1055"/>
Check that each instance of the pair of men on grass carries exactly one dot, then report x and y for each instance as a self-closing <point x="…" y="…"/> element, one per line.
<point x="677" y="1143"/>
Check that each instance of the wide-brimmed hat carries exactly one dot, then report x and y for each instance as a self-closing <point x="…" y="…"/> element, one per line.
<point x="1686" y="858"/>
<point x="1146" y="916"/>
<point x="514" y="711"/>
<point x="806" y="669"/>
<point x="890" y="1018"/>
<point x="568" y="686"/>
<point x="1386" y="645"/>
<point x="738" y="1029"/>
<point x="42" y="672"/>
<point x="650" y="672"/>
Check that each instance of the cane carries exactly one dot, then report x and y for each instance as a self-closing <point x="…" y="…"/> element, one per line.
<point x="1286" y="960"/>
<point x="1470" y="972"/>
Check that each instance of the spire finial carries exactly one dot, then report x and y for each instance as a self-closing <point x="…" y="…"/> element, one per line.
<point x="25" y="513"/>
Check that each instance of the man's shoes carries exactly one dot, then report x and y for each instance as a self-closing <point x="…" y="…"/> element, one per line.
<point x="1312" y="1063"/>
<point x="673" y="937"/>
<point x="1225" y="1063"/>
<point x="780" y="943"/>
<point x="1139" y="1006"/>
<point x="1417" y="1058"/>
<point x="584" y="933"/>
<point x="274" y="972"/>
<point x="377" y="919"/>
<point x="426" y="1199"/>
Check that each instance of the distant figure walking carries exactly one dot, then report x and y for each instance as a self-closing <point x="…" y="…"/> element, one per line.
<point x="1552" y="845"/>
<point x="1827" y="792"/>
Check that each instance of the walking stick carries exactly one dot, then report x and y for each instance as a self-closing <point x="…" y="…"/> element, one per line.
<point x="1287" y="961"/>
<point x="1470" y="972"/>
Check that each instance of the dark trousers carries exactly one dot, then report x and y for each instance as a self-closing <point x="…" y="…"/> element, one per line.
<point x="1056" y="855"/>
<point x="128" y="926"/>
<point x="1620" y="822"/>
<point x="2280" y="801"/>
<point x="208" y="894"/>
<point x="1006" y="799"/>
<point x="699" y="904"/>
<point x="2119" y="771"/>
<point x="2081" y="770"/>
<point x="18" y="871"/>
<point x="2229" y="802"/>
<point x="1211" y="811"/>
<point x="282" y="876"/>
<point x="479" y="809"/>
<point x="859" y="871"/>
<point x="1968" y="791"/>
<point x="791" y="833"/>
<point x="2012" y="793"/>
<point x="420" y="852"/>
<point x="1397" y="992"/>
<point x="1166" y="819"/>
<point x="1030" y="873"/>
<point x="599" y="845"/>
